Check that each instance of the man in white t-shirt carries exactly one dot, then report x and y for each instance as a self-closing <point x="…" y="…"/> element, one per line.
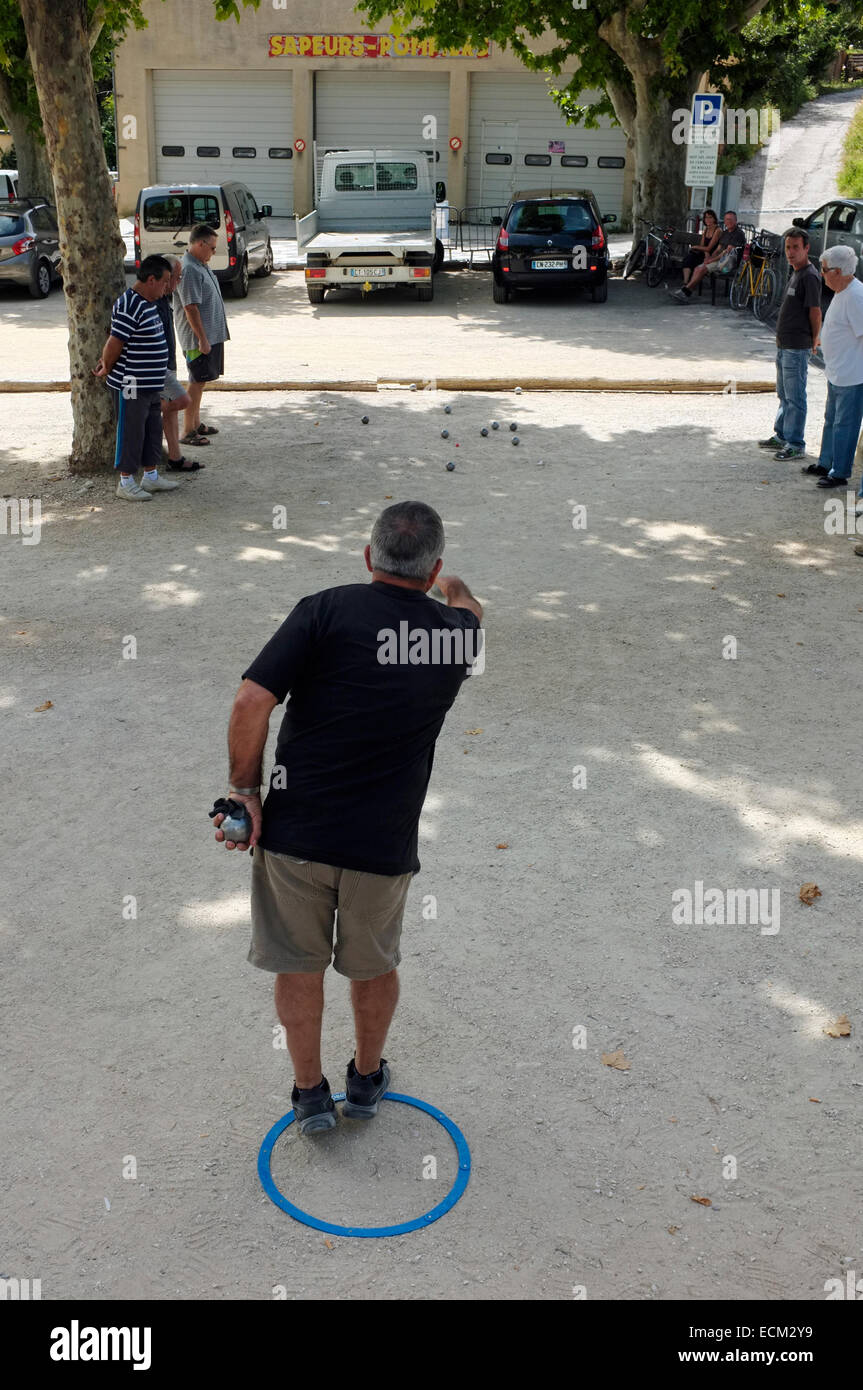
<point x="842" y="347"/>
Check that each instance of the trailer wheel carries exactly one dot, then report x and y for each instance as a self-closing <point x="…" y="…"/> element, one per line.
<point x="425" y="293"/>
<point x="316" y="293"/>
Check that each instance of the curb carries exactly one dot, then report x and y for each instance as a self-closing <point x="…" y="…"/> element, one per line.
<point x="657" y="386"/>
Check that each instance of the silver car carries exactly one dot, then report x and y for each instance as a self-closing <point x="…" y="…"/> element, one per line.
<point x="29" y="245"/>
<point x="837" y="223"/>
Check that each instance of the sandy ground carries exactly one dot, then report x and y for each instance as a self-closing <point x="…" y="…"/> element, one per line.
<point x="152" y="1038"/>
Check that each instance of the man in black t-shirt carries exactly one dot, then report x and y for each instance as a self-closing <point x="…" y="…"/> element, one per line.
<point x="798" y="332"/>
<point x="371" y="671"/>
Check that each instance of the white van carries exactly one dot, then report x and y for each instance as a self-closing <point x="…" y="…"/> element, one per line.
<point x="166" y="213"/>
<point x="8" y="183"/>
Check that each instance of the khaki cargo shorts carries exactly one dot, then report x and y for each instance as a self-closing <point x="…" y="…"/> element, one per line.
<point x="295" y="907"/>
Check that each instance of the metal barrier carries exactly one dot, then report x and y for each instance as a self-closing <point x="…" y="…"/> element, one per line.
<point x="474" y="231"/>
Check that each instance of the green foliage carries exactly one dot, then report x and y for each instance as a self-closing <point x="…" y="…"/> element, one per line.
<point x="777" y="59"/>
<point x="850" y="181"/>
<point x="670" y="41"/>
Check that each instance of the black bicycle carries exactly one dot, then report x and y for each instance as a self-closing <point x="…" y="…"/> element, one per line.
<point x="652" y="253"/>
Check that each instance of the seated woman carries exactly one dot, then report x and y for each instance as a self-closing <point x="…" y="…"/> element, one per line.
<point x="709" y="238"/>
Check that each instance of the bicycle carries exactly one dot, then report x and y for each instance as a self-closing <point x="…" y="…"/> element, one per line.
<point x="653" y="251"/>
<point x="756" y="281"/>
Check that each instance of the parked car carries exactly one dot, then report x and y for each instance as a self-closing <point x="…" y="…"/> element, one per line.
<point x="554" y="240"/>
<point x="8" y="183"/>
<point x="29" y="245"/>
<point x="166" y="213"/>
<point x="837" y="223"/>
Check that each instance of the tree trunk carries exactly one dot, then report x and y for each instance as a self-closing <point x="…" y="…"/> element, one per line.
<point x="31" y="157"/>
<point x="659" y="193"/>
<point x="90" y="242"/>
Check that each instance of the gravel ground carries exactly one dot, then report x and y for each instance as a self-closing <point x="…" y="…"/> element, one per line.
<point x="151" y="1038"/>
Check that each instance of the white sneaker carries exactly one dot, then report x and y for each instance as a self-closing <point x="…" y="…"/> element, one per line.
<point x="158" y="484"/>
<point x="133" y="493"/>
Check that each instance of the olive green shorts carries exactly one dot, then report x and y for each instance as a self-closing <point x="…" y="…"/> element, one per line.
<point x="296" y="906"/>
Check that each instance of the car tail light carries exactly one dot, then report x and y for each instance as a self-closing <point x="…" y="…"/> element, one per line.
<point x="597" y="241"/>
<point x="137" y="236"/>
<point x="232" y="260"/>
<point x="25" y="244"/>
<point x="502" y="239"/>
<point x="315" y="274"/>
<point x="420" y="270"/>
<point x="229" y="224"/>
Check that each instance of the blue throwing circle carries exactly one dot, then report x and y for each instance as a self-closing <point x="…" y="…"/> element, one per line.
<point x="419" y="1222"/>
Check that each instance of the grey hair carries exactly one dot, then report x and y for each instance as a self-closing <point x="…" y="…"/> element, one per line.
<point x="407" y="540"/>
<point x="842" y="258"/>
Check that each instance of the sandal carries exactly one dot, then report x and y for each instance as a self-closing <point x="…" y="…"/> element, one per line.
<point x="183" y="465"/>
<point x="207" y="429"/>
<point x="194" y="438"/>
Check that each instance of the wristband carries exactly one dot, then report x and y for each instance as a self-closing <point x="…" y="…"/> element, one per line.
<point x="244" y="791"/>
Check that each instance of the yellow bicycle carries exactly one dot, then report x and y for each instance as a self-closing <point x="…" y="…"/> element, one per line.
<point x="756" y="281"/>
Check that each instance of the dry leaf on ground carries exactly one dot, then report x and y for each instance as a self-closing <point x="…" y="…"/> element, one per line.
<point x="49" y="704"/>
<point x="473" y="731"/>
<point x="809" y="892"/>
<point x="840" y="1029"/>
<point x="672" y="1230"/>
<point x="702" y="1201"/>
<point x="504" y="844"/>
<point x="616" y="1060"/>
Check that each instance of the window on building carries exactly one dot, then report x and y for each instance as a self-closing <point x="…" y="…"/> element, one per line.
<point x="244" y="152"/>
<point x="498" y="159"/>
<point x="280" y="152"/>
<point x="573" y="161"/>
<point x="539" y="159"/>
<point x="208" y="152"/>
<point x="173" y="151"/>
<point x="610" y="161"/>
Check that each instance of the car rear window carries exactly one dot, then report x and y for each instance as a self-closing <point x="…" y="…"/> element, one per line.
<point x="171" y="212"/>
<point x="360" y="178"/>
<point x="12" y="226"/>
<point x="553" y="216"/>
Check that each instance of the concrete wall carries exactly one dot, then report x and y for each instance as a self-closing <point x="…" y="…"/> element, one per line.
<point x="185" y="35"/>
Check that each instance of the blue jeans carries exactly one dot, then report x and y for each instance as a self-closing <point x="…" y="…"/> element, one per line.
<point x="842" y="420"/>
<point x="791" y="365"/>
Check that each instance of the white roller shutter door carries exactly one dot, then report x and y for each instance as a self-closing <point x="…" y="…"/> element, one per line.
<point x="516" y="110"/>
<point x="355" y="110"/>
<point x="226" y="111"/>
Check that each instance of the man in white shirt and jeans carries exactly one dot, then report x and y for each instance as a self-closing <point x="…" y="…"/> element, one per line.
<point x="842" y="347"/>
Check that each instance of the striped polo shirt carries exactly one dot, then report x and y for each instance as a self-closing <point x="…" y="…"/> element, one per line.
<point x="143" y="363"/>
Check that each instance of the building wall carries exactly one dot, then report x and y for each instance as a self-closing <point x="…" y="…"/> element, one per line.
<point x="184" y="36"/>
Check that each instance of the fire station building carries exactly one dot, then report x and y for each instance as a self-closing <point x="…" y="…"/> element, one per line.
<point x="261" y="101"/>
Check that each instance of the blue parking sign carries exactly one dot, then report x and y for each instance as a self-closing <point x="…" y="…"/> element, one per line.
<point x="706" y="110"/>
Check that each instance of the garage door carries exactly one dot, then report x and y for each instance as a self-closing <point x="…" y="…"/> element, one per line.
<point x="380" y="110"/>
<point x="216" y="126"/>
<point x="519" y="139"/>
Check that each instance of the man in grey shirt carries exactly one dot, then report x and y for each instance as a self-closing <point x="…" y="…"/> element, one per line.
<point x="202" y="328"/>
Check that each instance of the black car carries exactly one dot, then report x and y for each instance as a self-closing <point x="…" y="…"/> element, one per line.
<point x="554" y="240"/>
<point x="29" y="245"/>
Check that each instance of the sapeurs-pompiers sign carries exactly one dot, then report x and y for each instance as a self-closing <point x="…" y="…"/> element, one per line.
<point x="365" y="46"/>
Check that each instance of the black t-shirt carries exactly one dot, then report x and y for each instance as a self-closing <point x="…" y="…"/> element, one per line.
<point x="802" y="293"/>
<point x="736" y="237"/>
<point x="164" y="308"/>
<point x="356" y="746"/>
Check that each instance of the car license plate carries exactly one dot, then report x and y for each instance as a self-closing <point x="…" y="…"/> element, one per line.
<point x="549" y="265"/>
<point x="369" y="272"/>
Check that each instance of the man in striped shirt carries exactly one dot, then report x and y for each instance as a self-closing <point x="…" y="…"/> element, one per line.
<point x="134" y="363"/>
